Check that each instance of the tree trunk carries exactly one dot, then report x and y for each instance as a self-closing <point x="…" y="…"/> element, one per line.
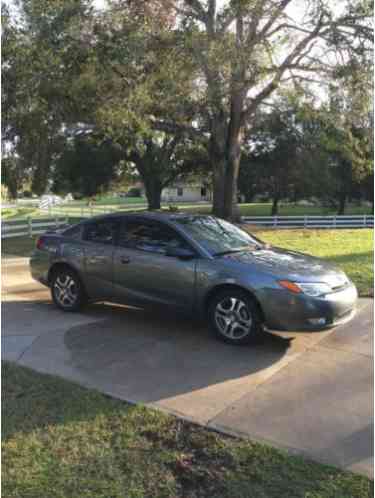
<point x="275" y="205"/>
<point x="153" y="188"/>
<point x="231" y="211"/>
<point x="342" y="203"/>
<point x="218" y="188"/>
<point x="225" y="155"/>
<point x="39" y="184"/>
<point x="216" y="153"/>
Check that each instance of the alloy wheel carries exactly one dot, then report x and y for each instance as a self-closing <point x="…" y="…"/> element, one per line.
<point x="233" y="318"/>
<point x="66" y="290"/>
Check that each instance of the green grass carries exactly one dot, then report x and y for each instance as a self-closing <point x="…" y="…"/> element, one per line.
<point x="110" y="200"/>
<point x="351" y="250"/>
<point x="14" y="213"/>
<point x="61" y="440"/>
<point x="264" y="209"/>
<point x="107" y="204"/>
<point x="253" y="209"/>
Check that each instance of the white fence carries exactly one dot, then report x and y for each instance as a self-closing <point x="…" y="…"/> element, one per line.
<point x="344" y="221"/>
<point x="30" y="227"/>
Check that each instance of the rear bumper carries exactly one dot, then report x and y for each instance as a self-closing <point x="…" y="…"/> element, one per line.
<point x="39" y="269"/>
<point x="285" y="311"/>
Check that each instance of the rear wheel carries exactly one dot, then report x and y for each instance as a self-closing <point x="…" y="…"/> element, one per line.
<point x="66" y="290"/>
<point x="235" y="317"/>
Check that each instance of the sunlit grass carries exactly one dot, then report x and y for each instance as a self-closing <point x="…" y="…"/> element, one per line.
<point x="351" y="250"/>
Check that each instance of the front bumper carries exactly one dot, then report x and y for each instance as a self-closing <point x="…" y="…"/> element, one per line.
<point x="284" y="310"/>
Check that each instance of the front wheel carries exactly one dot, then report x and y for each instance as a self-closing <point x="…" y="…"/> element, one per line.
<point x="66" y="290"/>
<point x="235" y="317"/>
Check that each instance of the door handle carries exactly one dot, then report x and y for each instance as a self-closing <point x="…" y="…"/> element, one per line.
<point x="125" y="261"/>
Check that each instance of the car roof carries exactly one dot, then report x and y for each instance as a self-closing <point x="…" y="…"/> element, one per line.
<point x="152" y="215"/>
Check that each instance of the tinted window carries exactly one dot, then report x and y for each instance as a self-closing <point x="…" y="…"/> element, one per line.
<point x="74" y="232"/>
<point x="102" y="232"/>
<point x="149" y="236"/>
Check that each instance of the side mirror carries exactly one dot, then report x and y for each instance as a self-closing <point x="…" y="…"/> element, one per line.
<point x="180" y="253"/>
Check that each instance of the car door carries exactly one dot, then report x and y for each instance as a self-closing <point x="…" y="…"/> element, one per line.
<point x="144" y="273"/>
<point x="98" y="240"/>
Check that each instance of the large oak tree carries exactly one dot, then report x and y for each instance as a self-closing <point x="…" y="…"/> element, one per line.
<point x="247" y="49"/>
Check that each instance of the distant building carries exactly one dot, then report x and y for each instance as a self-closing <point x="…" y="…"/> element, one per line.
<point x="187" y="192"/>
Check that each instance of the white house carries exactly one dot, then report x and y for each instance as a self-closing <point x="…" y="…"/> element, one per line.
<point x="186" y="192"/>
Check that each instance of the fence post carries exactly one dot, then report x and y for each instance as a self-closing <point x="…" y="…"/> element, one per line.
<point x="82" y="212"/>
<point x="305" y="221"/>
<point x="275" y="221"/>
<point x="364" y="220"/>
<point x="30" y="223"/>
<point x="334" y="221"/>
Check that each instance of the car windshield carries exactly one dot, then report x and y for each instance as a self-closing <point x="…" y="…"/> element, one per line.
<point x="217" y="236"/>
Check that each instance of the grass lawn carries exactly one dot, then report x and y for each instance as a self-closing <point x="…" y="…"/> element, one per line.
<point x="264" y="209"/>
<point x="61" y="440"/>
<point x="351" y="250"/>
<point x="253" y="209"/>
<point x="14" y="213"/>
<point x="107" y="200"/>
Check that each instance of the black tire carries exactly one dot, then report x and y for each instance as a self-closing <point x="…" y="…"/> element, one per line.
<point x="75" y="296"/>
<point x="245" y="319"/>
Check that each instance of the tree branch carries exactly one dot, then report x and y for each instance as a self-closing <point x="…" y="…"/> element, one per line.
<point x="273" y="84"/>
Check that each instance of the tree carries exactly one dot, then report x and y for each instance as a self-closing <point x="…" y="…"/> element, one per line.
<point x="163" y="159"/>
<point x="144" y="98"/>
<point x="44" y="51"/>
<point x="13" y="174"/>
<point x="245" y="51"/>
<point x="273" y="153"/>
<point x="87" y="166"/>
<point x="343" y="133"/>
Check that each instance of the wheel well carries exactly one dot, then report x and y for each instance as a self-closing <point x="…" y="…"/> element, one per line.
<point x="222" y="287"/>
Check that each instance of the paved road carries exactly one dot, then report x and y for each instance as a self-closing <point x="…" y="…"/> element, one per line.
<point x="308" y="392"/>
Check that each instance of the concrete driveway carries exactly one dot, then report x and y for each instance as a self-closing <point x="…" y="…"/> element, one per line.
<point x="311" y="393"/>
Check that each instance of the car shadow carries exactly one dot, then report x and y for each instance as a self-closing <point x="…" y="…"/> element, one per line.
<point x="151" y="355"/>
<point x="136" y="354"/>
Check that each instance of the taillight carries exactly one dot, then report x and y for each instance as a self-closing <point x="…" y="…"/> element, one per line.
<point x="40" y="243"/>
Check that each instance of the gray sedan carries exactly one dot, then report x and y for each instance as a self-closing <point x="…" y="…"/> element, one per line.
<point x="200" y="264"/>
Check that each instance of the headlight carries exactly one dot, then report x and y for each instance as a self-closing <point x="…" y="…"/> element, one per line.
<point x="315" y="290"/>
<point x="310" y="289"/>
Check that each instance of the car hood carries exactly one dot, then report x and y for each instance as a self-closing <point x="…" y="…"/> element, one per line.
<point x="290" y="265"/>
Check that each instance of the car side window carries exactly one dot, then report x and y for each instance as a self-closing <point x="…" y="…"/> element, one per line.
<point x="102" y="232"/>
<point x="149" y="236"/>
<point x="74" y="232"/>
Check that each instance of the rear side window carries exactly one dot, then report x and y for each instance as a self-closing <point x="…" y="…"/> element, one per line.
<point x="149" y="236"/>
<point x="74" y="232"/>
<point x="103" y="232"/>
